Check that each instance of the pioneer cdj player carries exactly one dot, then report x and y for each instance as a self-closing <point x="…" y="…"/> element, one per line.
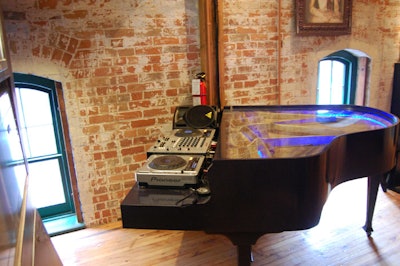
<point x="170" y="170"/>
<point x="184" y="141"/>
<point x="178" y="158"/>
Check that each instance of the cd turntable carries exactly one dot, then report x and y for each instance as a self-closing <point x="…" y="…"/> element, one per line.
<point x="170" y="170"/>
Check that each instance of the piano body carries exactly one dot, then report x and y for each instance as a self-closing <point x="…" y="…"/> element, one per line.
<point x="272" y="171"/>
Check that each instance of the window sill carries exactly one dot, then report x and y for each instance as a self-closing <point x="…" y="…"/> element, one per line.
<point x="62" y="225"/>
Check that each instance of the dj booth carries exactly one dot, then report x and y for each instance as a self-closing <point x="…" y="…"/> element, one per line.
<point x="248" y="171"/>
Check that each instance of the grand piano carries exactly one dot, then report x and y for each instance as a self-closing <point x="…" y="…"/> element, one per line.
<point x="272" y="171"/>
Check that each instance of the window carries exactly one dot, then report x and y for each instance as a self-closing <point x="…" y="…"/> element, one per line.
<point x="339" y="78"/>
<point x="46" y="151"/>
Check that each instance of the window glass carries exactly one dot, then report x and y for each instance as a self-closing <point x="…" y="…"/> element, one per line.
<point x="11" y="152"/>
<point x="331" y="82"/>
<point x="37" y="121"/>
<point x="337" y="82"/>
<point x="47" y="187"/>
<point x="9" y="129"/>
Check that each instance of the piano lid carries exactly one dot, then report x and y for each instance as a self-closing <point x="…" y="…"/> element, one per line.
<point x="292" y="131"/>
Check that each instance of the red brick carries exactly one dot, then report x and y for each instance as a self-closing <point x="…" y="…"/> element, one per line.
<point x="143" y="123"/>
<point x="100" y="190"/>
<point x="97" y="156"/>
<point x="137" y="95"/>
<point x="140" y="157"/>
<point x="76" y="14"/>
<point x="100" y="198"/>
<point x="66" y="59"/>
<point x="251" y="84"/>
<point x="166" y="40"/>
<point x="119" y="33"/>
<point x="126" y="52"/>
<point x="237" y="77"/>
<point x="121" y="61"/>
<point x="104" y="71"/>
<point x="100" y="206"/>
<point x="149" y="50"/>
<point x="111" y="145"/>
<point x="46" y="4"/>
<point x="110" y="154"/>
<point x="90" y="130"/>
<point x="115" y="187"/>
<point x="155" y="112"/>
<point x="85" y="44"/>
<point x="98" y="119"/>
<point x="131" y="69"/>
<point x="152" y="94"/>
<point x="171" y="92"/>
<point x="63" y="41"/>
<point x="130" y="115"/>
<point x="106" y="213"/>
<point x="57" y="55"/>
<point x="133" y="150"/>
<point x="130" y="133"/>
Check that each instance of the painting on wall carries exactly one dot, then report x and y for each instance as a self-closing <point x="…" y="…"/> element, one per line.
<point x="323" y="17"/>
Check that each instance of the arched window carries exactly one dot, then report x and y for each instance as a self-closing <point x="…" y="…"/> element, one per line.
<point x="45" y="146"/>
<point x="342" y="78"/>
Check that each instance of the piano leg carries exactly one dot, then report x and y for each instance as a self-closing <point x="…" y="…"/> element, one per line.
<point x="244" y="254"/>
<point x="373" y="185"/>
<point x="244" y="242"/>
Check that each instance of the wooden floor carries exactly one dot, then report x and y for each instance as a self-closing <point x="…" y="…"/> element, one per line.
<point x="338" y="240"/>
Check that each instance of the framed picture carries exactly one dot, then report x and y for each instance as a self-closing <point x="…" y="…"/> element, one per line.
<point x="323" y="17"/>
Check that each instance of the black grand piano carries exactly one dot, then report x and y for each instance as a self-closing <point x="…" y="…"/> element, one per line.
<point x="272" y="171"/>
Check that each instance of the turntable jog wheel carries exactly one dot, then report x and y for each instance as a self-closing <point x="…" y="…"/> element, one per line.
<point x="167" y="162"/>
<point x="200" y="116"/>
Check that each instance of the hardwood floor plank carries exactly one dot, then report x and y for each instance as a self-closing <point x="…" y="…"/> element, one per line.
<point x="338" y="239"/>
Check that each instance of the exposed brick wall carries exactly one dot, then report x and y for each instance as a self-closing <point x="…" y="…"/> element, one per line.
<point x="251" y="51"/>
<point x="125" y="65"/>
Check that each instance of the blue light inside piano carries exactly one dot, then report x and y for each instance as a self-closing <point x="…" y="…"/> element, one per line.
<point x="267" y="146"/>
<point x="331" y="116"/>
<point x="300" y="141"/>
<point x="266" y="149"/>
<point x="261" y="154"/>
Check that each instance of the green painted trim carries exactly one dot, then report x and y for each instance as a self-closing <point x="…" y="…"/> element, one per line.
<point x="62" y="225"/>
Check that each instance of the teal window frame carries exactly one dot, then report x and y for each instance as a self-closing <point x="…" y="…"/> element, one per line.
<point x="48" y="86"/>
<point x="350" y="78"/>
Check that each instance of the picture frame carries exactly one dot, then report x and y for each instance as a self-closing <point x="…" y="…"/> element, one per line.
<point x="323" y="17"/>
